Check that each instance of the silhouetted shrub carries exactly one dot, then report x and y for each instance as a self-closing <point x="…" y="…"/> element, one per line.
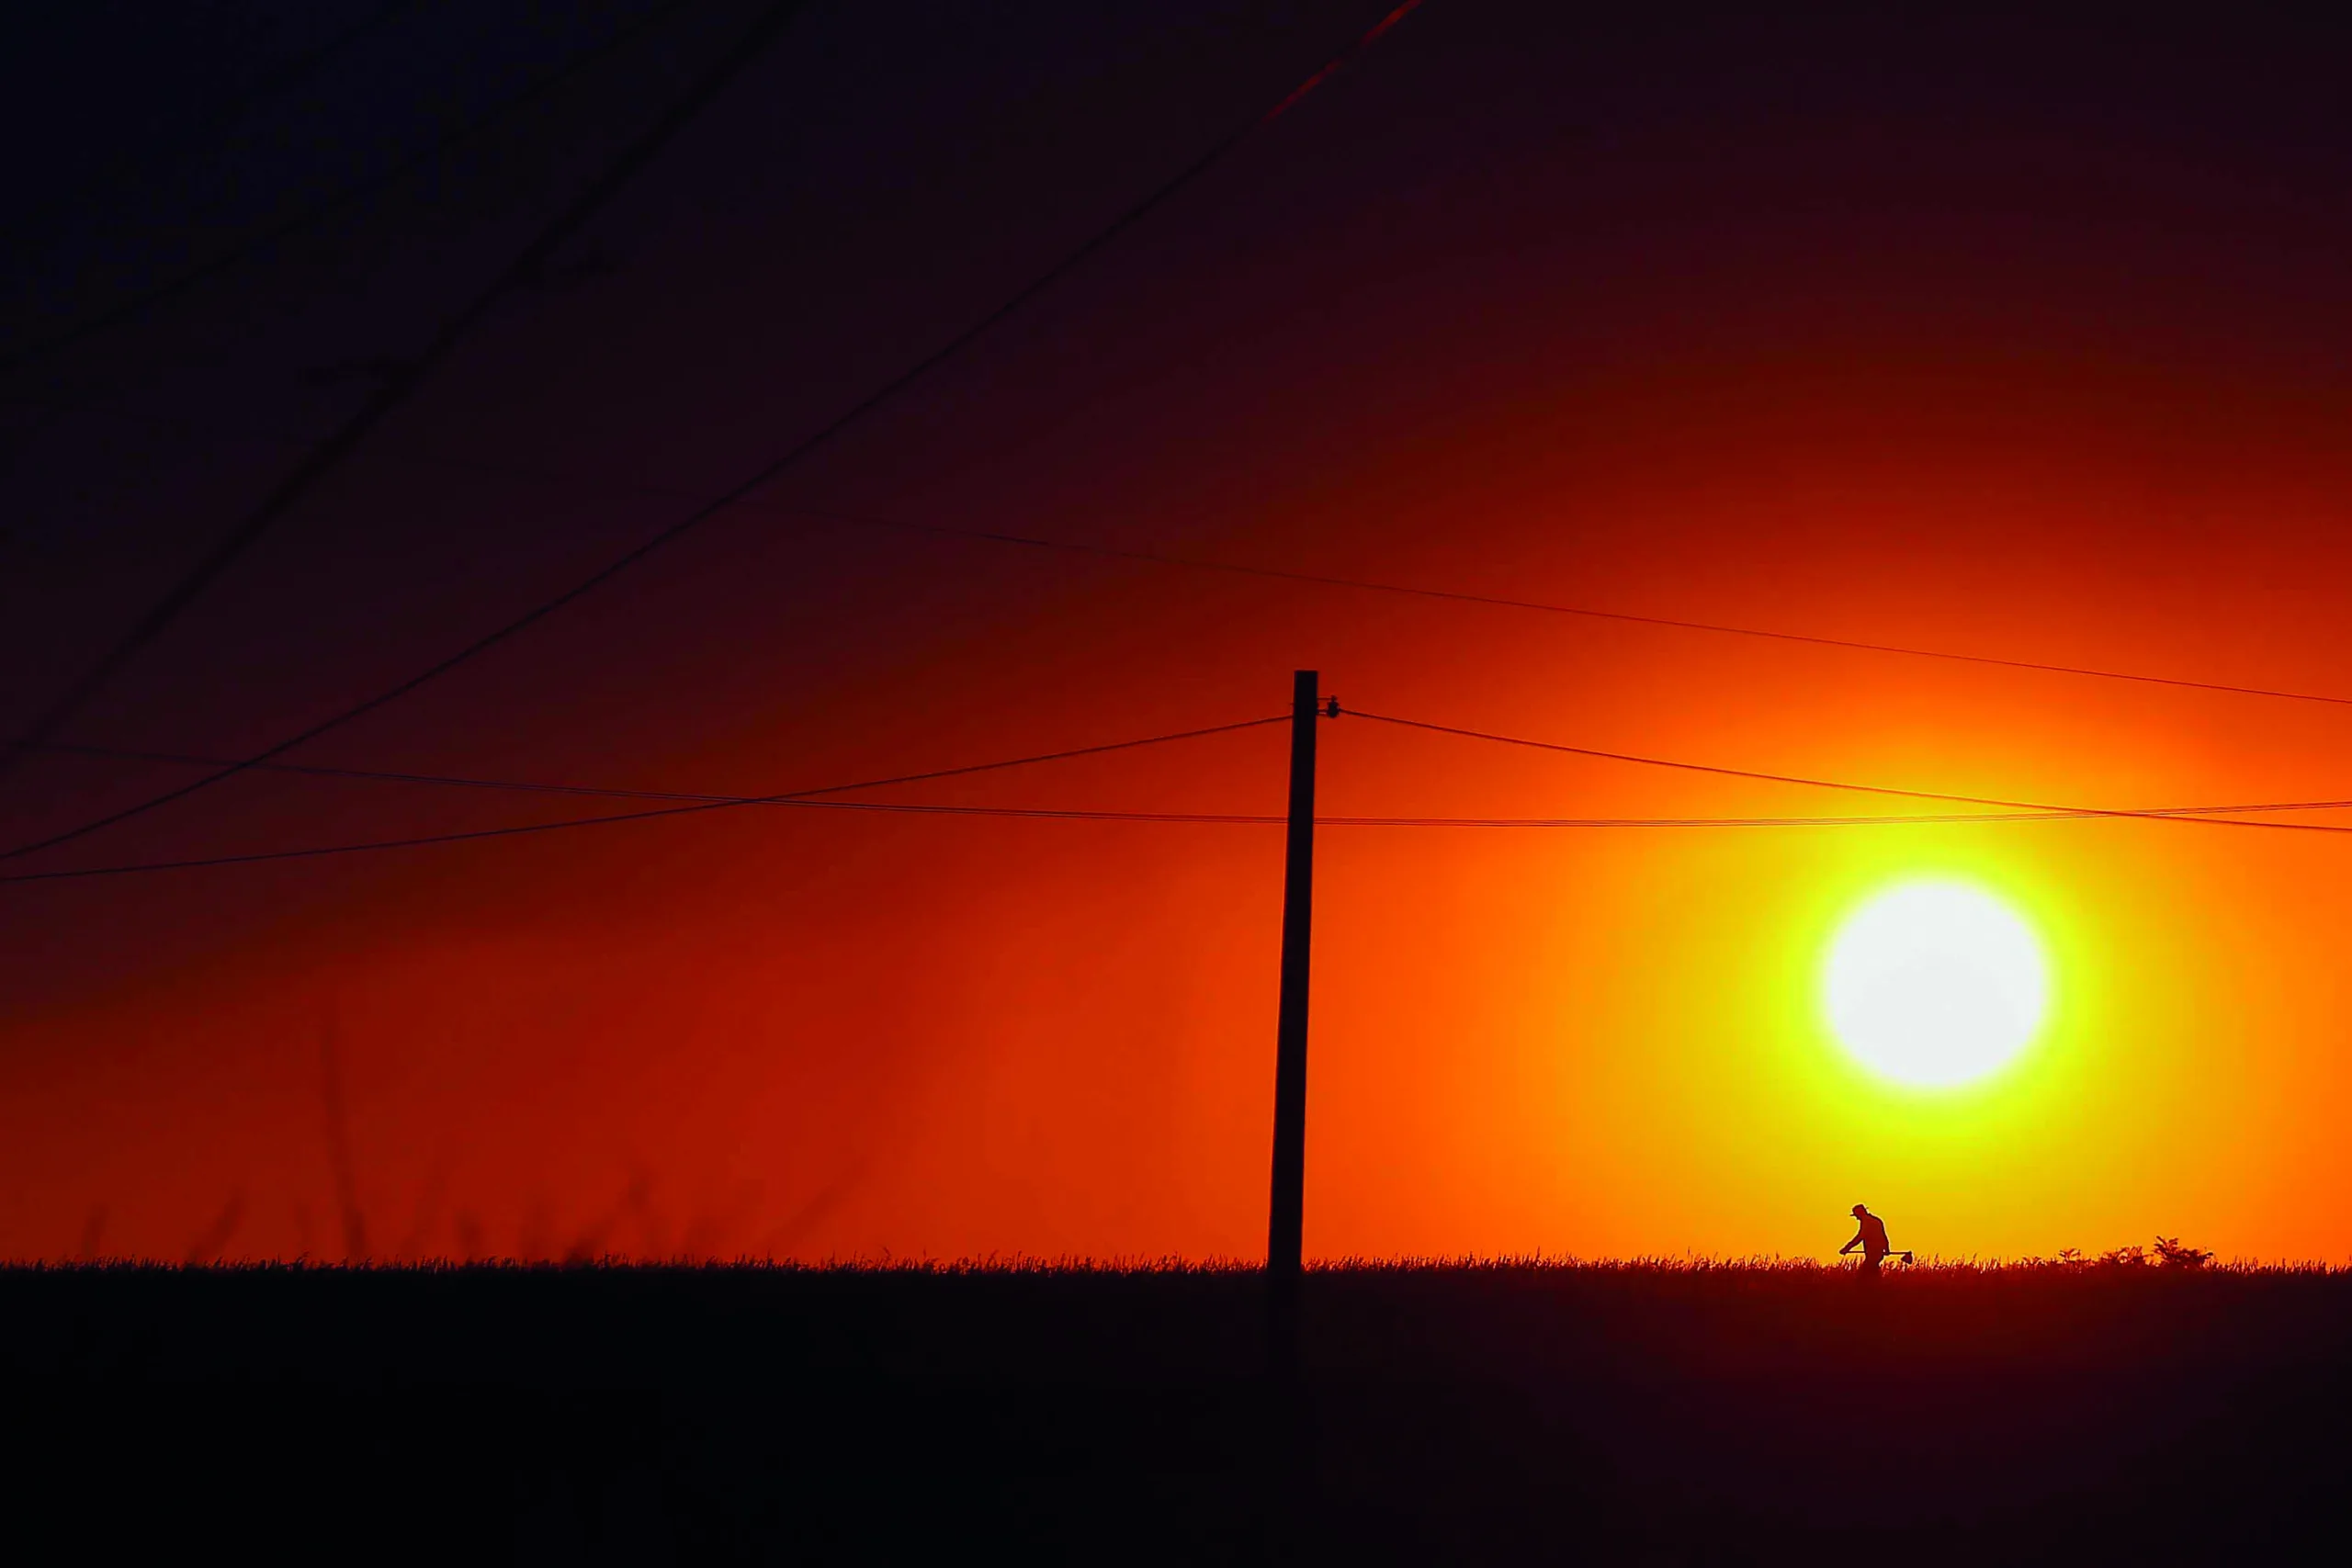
<point x="2173" y="1254"/>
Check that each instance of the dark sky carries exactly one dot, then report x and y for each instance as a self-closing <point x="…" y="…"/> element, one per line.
<point x="1704" y="314"/>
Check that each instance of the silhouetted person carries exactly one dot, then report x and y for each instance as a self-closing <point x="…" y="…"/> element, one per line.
<point x="1870" y="1234"/>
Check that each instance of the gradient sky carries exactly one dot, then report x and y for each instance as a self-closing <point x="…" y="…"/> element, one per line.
<point x="2006" y="337"/>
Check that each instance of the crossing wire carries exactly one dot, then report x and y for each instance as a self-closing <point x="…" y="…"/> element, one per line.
<point x="2218" y="815"/>
<point x="294" y="223"/>
<point x="769" y="471"/>
<point x="538" y="475"/>
<point x="402" y="383"/>
<point x="222" y="118"/>
<point x="694" y="805"/>
<point x="380" y="775"/>
<point x="1329" y="580"/>
<point x="2032" y="805"/>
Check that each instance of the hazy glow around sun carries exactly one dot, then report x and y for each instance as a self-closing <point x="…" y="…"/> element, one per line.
<point x="1935" y="984"/>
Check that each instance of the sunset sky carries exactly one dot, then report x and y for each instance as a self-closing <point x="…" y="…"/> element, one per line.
<point x="1999" y="337"/>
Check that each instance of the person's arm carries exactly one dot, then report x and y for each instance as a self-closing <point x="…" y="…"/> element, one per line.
<point x="1851" y="1245"/>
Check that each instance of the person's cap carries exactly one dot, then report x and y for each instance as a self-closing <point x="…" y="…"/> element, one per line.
<point x="1859" y="1210"/>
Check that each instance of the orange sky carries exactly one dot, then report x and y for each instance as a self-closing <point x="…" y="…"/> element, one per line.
<point x="1996" y="407"/>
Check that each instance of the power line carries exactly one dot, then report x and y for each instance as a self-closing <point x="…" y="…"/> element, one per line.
<point x="400" y="385"/>
<point x="890" y="389"/>
<point x="810" y="798"/>
<point x="118" y="754"/>
<point x="1329" y="580"/>
<point x="516" y="786"/>
<point x="370" y="846"/>
<point x="294" y="223"/>
<point x="1207" y="563"/>
<point x="284" y="76"/>
<point x="224" y="115"/>
<point x="1186" y="818"/>
<point x="2028" y="806"/>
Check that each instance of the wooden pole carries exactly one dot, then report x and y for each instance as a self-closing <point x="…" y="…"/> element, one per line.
<point x="1286" y="1219"/>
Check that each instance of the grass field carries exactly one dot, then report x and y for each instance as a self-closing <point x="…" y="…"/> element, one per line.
<point x="1445" y="1411"/>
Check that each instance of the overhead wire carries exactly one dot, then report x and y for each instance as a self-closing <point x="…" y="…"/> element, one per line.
<point x="295" y="222"/>
<point x="1207" y="563"/>
<point x="1724" y="628"/>
<point x="401" y="384"/>
<point x="1938" y="796"/>
<point x="920" y="808"/>
<point x="1072" y="260"/>
<point x="2013" y="810"/>
<point x="521" y="786"/>
<point x="191" y="135"/>
<point x="2217" y="814"/>
<point x="693" y="805"/>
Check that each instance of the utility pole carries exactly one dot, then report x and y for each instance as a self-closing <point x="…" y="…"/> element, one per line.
<point x="1286" y="1220"/>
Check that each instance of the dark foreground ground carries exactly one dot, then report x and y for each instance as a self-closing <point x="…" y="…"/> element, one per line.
<point x="1443" y="1414"/>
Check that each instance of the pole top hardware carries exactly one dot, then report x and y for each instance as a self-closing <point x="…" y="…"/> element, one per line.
<point x="1331" y="708"/>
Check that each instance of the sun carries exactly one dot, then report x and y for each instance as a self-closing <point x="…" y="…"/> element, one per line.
<point x="1935" y="984"/>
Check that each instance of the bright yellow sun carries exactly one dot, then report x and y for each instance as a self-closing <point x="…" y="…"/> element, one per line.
<point x="1935" y="984"/>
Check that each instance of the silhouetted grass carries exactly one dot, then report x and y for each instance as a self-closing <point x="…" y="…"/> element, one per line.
<point x="1448" y="1408"/>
